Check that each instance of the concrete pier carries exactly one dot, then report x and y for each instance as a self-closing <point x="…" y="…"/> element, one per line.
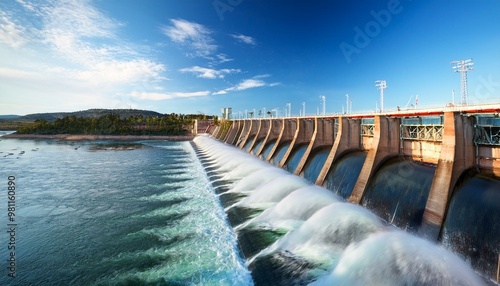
<point x="385" y="144"/>
<point x="303" y="134"/>
<point x="457" y="155"/>
<point x="287" y="133"/>
<point x="347" y="138"/>
<point x="323" y="135"/>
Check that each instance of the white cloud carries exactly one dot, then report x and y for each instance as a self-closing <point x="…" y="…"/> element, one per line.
<point x="67" y="52"/>
<point x="249" y="83"/>
<point x="193" y="35"/>
<point x="246" y="84"/>
<point x="11" y="33"/>
<point x="107" y="72"/>
<point x="209" y="73"/>
<point x="167" y="95"/>
<point x="219" y="92"/>
<point x="244" y="39"/>
<point x="262" y="76"/>
<point x="222" y="58"/>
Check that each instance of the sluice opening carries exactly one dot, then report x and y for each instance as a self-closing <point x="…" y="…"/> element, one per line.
<point x="398" y="192"/>
<point x="472" y="227"/>
<point x="344" y="173"/>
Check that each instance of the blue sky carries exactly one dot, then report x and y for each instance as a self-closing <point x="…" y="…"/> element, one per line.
<point x="199" y="56"/>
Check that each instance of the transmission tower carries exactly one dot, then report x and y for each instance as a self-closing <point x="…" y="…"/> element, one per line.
<point x="463" y="66"/>
<point x="381" y="84"/>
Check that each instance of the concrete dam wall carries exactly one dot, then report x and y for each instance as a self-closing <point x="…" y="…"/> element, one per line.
<point x="433" y="174"/>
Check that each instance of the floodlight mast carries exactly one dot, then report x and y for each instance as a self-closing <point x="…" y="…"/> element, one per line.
<point x="463" y="66"/>
<point x="322" y="98"/>
<point x="381" y="84"/>
<point x="347" y="103"/>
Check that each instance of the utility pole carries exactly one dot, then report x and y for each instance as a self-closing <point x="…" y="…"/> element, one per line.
<point x="463" y="66"/>
<point x="347" y="103"/>
<point x="322" y="98"/>
<point x="381" y="84"/>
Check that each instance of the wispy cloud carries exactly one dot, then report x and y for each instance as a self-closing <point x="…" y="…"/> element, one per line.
<point x="246" y="84"/>
<point x="69" y="48"/>
<point x="245" y="39"/>
<point x="167" y="95"/>
<point x="11" y="33"/>
<point x="222" y="58"/>
<point x="209" y="73"/>
<point x="194" y="36"/>
<point x="107" y="72"/>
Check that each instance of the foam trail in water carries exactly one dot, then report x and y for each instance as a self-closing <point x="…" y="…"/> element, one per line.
<point x="397" y="258"/>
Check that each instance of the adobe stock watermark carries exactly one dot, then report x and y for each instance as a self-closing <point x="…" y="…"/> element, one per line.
<point x="487" y="88"/>
<point x="363" y="37"/>
<point x="223" y="6"/>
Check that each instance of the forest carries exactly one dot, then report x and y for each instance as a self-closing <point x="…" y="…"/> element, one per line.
<point x="113" y="124"/>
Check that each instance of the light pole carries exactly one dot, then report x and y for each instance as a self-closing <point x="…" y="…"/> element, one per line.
<point x="289" y="106"/>
<point x="381" y="84"/>
<point x="303" y="108"/>
<point x="347" y="103"/>
<point x="463" y="66"/>
<point x="322" y="98"/>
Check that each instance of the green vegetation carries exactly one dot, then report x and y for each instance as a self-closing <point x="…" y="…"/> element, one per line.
<point x="13" y="125"/>
<point x="113" y="124"/>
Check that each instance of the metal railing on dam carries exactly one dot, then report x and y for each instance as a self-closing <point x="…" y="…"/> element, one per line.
<point x="457" y="143"/>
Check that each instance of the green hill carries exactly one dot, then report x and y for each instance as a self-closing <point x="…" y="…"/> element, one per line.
<point x="90" y="113"/>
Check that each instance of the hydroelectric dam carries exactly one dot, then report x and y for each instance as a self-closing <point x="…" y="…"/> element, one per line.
<point x="404" y="198"/>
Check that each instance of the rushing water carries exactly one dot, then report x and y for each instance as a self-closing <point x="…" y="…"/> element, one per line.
<point x="398" y="192"/>
<point x="257" y="146"/>
<point x="280" y="153"/>
<point x="295" y="158"/>
<point x="294" y="233"/>
<point x="471" y="227"/>
<point x="165" y="213"/>
<point x="267" y="150"/>
<point x="314" y="166"/>
<point x="344" y="173"/>
<point x="108" y="213"/>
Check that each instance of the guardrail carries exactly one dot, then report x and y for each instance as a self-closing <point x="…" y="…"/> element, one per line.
<point x="423" y="132"/>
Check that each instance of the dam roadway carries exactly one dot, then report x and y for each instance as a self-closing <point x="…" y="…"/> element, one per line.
<point x="457" y="142"/>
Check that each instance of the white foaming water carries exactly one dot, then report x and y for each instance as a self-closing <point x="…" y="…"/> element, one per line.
<point x="328" y="231"/>
<point x="257" y="179"/>
<point x="298" y="206"/>
<point x="350" y="244"/>
<point x="274" y="190"/>
<point x="397" y="258"/>
<point x="246" y="168"/>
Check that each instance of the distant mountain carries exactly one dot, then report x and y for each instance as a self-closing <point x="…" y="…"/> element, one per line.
<point x="124" y="113"/>
<point x="10" y="117"/>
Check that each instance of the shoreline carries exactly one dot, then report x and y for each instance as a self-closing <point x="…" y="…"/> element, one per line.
<point x="71" y="137"/>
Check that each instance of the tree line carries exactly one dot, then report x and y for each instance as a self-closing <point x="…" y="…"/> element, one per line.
<point x="113" y="124"/>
